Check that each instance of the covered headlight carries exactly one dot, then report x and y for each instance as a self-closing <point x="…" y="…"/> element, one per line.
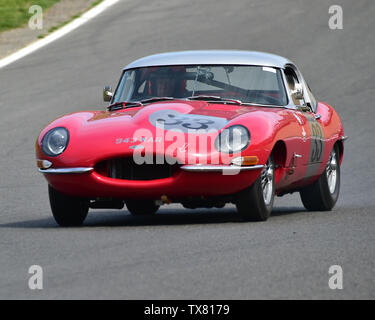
<point x="233" y="139"/>
<point x="55" y="141"/>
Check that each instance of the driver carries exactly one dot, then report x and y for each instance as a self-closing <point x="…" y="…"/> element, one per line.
<point x="165" y="87"/>
<point x="167" y="82"/>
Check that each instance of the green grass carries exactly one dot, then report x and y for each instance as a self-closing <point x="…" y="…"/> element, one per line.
<point x="15" y="13"/>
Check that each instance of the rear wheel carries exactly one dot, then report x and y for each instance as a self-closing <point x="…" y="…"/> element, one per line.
<point x="322" y="195"/>
<point x="68" y="211"/>
<point x="142" y="207"/>
<point x="255" y="203"/>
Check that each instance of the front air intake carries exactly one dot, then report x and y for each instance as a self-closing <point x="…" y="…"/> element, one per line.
<point x="127" y="169"/>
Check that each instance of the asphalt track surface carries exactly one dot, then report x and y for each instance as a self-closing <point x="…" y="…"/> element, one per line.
<point x="179" y="253"/>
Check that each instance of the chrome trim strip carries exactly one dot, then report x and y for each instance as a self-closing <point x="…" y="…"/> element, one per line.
<point x="218" y="168"/>
<point x="67" y="170"/>
<point x="343" y="138"/>
<point x="195" y="57"/>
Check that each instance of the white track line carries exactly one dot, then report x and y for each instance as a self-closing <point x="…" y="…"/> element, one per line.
<point x="58" y="33"/>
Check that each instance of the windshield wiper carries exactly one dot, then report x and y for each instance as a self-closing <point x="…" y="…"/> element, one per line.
<point x="235" y="101"/>
<point x="155" y="99"/>
<point x="214" y="98"/>
<point x="124" y="104"/>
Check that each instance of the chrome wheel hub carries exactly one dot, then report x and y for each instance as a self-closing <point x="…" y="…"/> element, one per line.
<point x="331" y="171"/>
<point x="267" y="177"/>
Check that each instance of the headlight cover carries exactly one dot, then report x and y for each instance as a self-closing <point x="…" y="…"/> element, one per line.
<point x="55" y="141"/>
<point x="233" y="139"/>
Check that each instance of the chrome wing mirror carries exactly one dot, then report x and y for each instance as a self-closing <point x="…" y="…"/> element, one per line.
<point x="298" y="92"/>
<point x="107" y="93"/>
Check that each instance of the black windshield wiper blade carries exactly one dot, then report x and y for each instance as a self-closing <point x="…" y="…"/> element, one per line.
<point x="124" y="104"/>
<point x="261" y="105"/>
<point x="214" y="98"/>
<point x="204" y="97"/>
<point x="155" y="99"/>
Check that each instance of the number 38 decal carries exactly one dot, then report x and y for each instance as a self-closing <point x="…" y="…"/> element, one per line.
<point x="175" y="121"/>
<point x="317" y="142"/>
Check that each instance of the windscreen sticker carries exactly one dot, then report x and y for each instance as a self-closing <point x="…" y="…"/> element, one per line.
<point x="268" y="69"/>
<point x="173" y="120"/>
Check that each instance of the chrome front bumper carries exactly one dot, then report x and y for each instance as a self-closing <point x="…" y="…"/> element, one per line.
<point x="189" y="168"/>
<point x="67" y="170"/>
<point x="219" y="168"/>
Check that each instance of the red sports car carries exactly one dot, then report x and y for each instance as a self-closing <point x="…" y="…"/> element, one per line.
<point x="201" y="128"/>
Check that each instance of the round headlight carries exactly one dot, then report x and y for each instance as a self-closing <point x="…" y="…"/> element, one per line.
<point x="55" y="141"/>
<point x="233" y="139"/>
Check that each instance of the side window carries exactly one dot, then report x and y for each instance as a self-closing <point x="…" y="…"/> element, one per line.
<point x="293" y="84"/>
<point x="126" y="87"/>
<point x="312" y="98"/>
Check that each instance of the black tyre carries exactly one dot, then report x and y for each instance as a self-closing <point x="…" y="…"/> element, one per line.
<point x="142" y="207"/>
<point x="255" y="203"/>
<point x="68" y="211"/>
<point x="322" y="195"/>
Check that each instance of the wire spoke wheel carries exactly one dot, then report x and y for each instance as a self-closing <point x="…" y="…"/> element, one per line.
<point x="255" y="202"/>
<point x="323" y="193"/>
<point x="331" y="172"/>
<point x="267" y="177"/>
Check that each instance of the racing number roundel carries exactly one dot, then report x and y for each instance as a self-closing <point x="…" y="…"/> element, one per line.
<point x="317" y="140"/>
<point x="175" y="121"/>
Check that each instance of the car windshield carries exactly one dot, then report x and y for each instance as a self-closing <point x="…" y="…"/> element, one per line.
<point x="247" y="84"/>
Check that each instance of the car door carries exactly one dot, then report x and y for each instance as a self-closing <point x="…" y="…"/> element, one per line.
<point x="316" y="135"/>
<point x="311" y="148"/>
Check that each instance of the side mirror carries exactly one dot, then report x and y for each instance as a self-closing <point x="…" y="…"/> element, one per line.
<point x="107" y="93"/>
<point x="298" y="92"/>
<point x="304" y="108"/>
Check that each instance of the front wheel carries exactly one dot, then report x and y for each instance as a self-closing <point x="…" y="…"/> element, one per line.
<point x="142" y="207"/>
<point x="323" y="194"/>
<point x="255" y="203"/>
<point x="68" y="211"/>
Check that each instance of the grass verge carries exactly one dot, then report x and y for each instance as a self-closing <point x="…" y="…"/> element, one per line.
<point x="15" y="13"/>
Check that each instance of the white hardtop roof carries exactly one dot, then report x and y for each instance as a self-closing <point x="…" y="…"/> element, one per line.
<point x="211" y="57"/>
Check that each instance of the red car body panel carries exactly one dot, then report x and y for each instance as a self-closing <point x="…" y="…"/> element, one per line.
<point x="97" y="136"/>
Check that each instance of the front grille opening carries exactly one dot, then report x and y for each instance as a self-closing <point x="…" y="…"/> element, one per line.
<point x="127" y="169"/>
